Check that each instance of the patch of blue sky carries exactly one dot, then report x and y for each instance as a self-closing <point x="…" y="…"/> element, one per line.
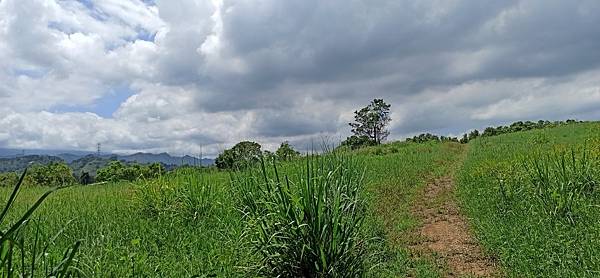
<point x="87" y="3"/>
<point x="31" y="73"/>
<point x="105" y="106"/>
<point x="143" y="34"/>
<point x="140" y="34"/>
<point x="93" y="11"/>
<point x="61" y="27"/>
<point x="149" y="2"/>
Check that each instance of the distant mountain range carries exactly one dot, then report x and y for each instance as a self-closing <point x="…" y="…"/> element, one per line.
<point x="13" y="159"/>
<point x="19" y="163"/>
<point x="66" y="155"/>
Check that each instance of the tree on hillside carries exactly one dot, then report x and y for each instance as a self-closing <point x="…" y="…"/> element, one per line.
<point x="286" y="152"/>
<point x="52" y="174"/>
<point x="242" y="155"/>
<point x="269" y="155"/>
<point x="112" y="172"/>
<point x="8" y="179"/>
<point x="371" y="121"/>
<point x="473" y="134"/>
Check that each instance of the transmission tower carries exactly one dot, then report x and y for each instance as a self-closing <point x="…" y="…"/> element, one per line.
<point x="99" y="149"/>
<point x="201" y="156"/>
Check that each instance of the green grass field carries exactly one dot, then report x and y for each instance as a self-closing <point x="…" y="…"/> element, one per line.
<point x="536" y="229"/>
<point x="192" y="222"/>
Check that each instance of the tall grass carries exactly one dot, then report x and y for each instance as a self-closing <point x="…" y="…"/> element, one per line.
<point x="307" y="221"/>
<point x="187" y="192"/>
<point x="562" y="182"/>
<point x="16" y="259"/>
<point x="535" y="203"/>
<point x="196" y="222"/>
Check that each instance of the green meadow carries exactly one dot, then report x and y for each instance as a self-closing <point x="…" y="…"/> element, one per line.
<point x="531" y="199"/>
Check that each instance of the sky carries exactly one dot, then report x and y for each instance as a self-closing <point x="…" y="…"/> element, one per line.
<point x="181" y="76"/>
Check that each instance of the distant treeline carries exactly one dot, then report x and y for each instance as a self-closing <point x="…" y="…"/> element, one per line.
<point x="51" y="174"/>
<point x="20" y="163"/>
<point x="491" y="131"/>
<point x="118" y="171"/>
<point x="246" y="154"/>
<point x="59" y="173"/>
<point x="427" y="137"/>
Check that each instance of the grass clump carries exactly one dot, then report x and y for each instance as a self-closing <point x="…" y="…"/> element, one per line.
<point x="562" y="182"/>
<point x="307" y="221"/>
<point x="16" y="259"/>
<point x="188" y="193"/>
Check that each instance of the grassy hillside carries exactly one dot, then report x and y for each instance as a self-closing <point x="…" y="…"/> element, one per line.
<point x="19" y="163"/>
<point x="197" y="222"/>
<point x="533" y="200"/>
<point x="189" y="223"/>
<point x="121" y="237"/>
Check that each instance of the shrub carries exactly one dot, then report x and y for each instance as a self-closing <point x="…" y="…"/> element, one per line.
<point x="117" y="171"/>
<point x="309" y="222"/>
<point x="8" y="179"/>
<point x="52" y="174"/>
<point x="356" y="142"/>
<point x="285" y="152"/>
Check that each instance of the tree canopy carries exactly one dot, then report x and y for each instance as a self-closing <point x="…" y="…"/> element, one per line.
<point x="242" y="155"/>
<point x="371" y="121"/>
<point x="118" y="171"/>
<point x="285" y="152"/>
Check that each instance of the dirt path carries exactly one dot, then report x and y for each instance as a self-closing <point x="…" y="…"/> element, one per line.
<point x="445" y="235"/>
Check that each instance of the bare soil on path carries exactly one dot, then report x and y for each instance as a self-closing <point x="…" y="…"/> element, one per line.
<point x="445" y="235"/>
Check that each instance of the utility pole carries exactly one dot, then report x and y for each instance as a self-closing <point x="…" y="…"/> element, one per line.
<point x="201" y="155"/>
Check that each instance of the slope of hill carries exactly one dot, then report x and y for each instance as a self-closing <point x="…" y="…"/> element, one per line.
<point x="533" y="199"/>
<point x="19" y="163"/>
<point x="64" y="154"/>
<point x="414" y="222"/>
<point x="89" y="164"/>
<point x="12" y="160"/>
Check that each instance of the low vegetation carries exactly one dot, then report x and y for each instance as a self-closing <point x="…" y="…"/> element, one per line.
<point x="533" y="197"/>
<point x="530" y="191"/>
<point x="52" y="174"/>
<point x="248" y="154"/>
<point x="512" y="128"/>
<point x="307" y="220"/>
<point x="20" y="163"/>
<point x="118" y="171"/>
<point x="16" y="259"/>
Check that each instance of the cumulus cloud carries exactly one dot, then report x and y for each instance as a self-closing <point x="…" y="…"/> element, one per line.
<point x="206" y="74"/>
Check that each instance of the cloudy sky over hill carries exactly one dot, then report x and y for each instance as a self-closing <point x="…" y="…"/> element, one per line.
<point x="174" y="75"/>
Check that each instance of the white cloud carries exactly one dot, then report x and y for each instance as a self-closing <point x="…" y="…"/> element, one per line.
<point x="211" y="73"/>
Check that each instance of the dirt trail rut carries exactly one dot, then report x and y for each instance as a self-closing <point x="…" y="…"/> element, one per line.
<point x="445" y="233"/>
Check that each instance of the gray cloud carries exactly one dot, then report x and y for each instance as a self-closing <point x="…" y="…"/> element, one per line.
<point x="211" y="73"/>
